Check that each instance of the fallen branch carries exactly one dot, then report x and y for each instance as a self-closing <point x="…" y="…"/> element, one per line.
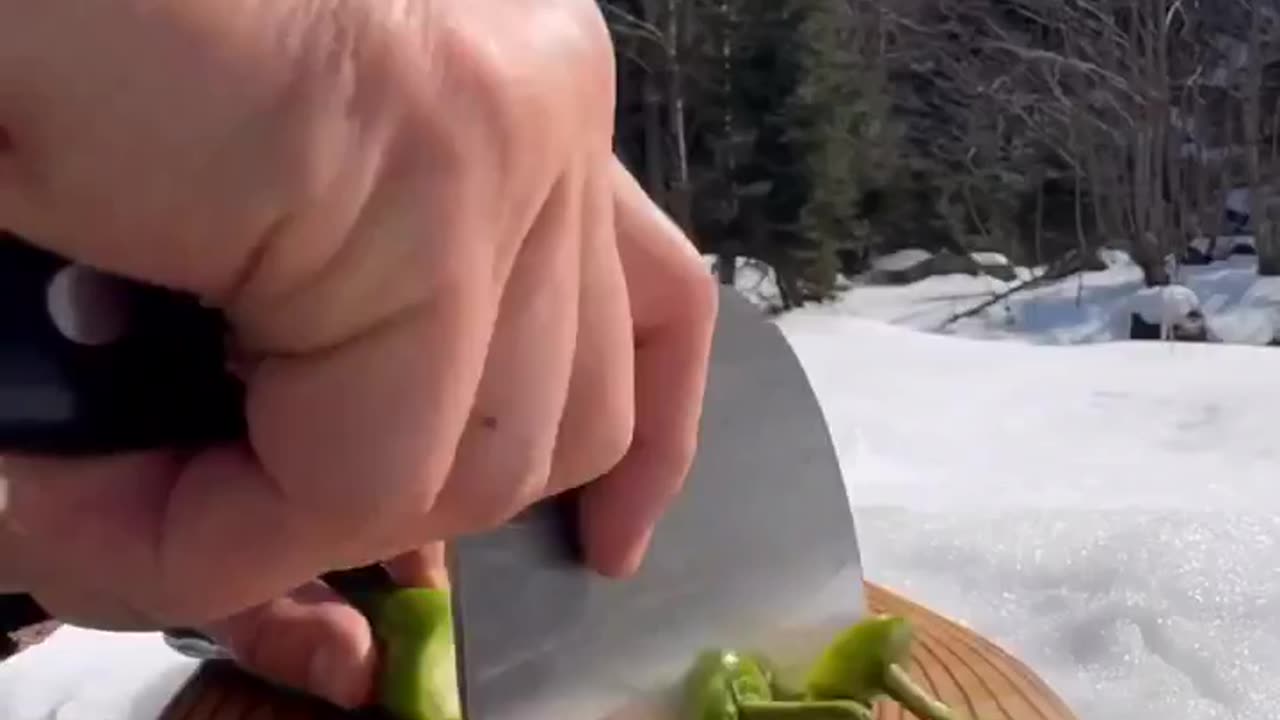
<point x="1049" y="274"/>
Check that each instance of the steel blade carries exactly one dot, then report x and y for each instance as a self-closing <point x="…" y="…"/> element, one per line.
<point x="759" y="551"/>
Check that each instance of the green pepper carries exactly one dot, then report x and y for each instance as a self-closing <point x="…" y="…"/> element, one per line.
<point x="728" y="685"/>
<point x="866" y="662"/>
<point x="720" y="679"/>
<point x="419" y="676"/>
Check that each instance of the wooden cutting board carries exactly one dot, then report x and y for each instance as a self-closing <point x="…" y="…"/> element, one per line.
<point x="975" y="677"/>
<point x="971" y="674"/>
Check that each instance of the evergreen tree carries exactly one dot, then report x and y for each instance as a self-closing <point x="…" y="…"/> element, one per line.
<point x="836" y="116"/>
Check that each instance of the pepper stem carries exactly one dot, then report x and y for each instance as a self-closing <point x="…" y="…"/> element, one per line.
<point x="906" y="692"/>
<point x="804" y="710"/>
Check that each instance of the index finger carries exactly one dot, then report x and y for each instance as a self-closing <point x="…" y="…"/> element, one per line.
<point x="674" y="303"/>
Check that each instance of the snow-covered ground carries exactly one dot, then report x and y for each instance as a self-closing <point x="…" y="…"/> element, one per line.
<point x="1109" y="511"/>
<point x="1091" y="307"/>
<point x="1241" y="308"/>
<point x="86" y="675"/>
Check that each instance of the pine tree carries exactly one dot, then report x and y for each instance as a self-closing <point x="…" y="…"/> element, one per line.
<point x="836" y="115"/>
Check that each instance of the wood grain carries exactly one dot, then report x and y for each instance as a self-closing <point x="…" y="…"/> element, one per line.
<point x="974" y="676"/>
<point x="971" y="674"/>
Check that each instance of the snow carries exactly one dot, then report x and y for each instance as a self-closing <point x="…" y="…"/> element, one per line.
<point x="908" y="258"/>
<point x="990" y="259"/>
<point x="80" y="674"/>
<point x="1222" y="246"/>
<point x="754" y="279"/>
<point x="900" y="260"/>
<point x="1164" y="305"/>
<point x="1108" y="511"/>
<point x="1239" y="200"/>
<point x="1239" y="306"/>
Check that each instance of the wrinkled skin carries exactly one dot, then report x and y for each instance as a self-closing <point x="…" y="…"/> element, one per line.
<point x="448" y="299"/>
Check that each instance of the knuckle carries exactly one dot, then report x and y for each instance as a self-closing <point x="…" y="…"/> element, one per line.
<point x="614" y="429"/>
<point x="497" y="509"/>
<point x="593" y="66"/>
<point x="592" y="54"/>
<point x="511" y="476"/>
<point x="601" y="443"/>
<point x="615" y="439"/>
<point x="360" y="511"/>
<point x="363" y="524"/>
<point x="698" y="292"/>
<point x="526" y="80"/>
<point x="573" y="37"/>
<point x="483" y="76"/>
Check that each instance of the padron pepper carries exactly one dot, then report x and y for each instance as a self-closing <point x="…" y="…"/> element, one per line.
<point x="864" y="664"/>
<point x="728" y="685"/>
<point x="867" y="662"/>
<point x="419" y="675"/>
<point x="419" y="681"/>
<point x="720" y="679"/>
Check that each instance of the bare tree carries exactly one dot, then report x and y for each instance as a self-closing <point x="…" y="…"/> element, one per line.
<point x="654" y="35"/>
<point x="1259" y="49"/>
<point x="1121" y="99"/>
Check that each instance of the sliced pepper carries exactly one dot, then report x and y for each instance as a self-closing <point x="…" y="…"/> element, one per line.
<point x="419" y="676"/>
<point x="728" y="685"/>
<point x="867" y="662"/>
<point x="720" y="679"/>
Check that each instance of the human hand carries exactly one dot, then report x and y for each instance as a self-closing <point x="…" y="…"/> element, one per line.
<point x="450" y="299"/>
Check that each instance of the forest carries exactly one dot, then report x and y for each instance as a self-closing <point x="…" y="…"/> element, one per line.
<point x="814" y="135"/>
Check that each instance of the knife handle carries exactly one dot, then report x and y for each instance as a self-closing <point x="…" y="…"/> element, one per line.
<point x="95" y="364"/>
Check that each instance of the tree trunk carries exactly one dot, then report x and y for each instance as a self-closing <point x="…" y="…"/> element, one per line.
<point x="654" y="142"/>
<point x="1264" y="235"/>
<point x="680" y="202"/>
<point x="727" y="268"/>
<point x="1039" y="218"/>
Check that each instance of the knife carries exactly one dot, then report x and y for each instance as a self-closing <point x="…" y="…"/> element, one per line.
<point x="759" y="551"/>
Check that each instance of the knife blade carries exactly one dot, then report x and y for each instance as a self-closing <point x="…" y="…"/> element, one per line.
<point x="759" y="550"/>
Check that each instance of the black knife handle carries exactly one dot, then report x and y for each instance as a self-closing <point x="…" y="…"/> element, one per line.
<point x="161" y="381"/>
<point x="151" y="374"/>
